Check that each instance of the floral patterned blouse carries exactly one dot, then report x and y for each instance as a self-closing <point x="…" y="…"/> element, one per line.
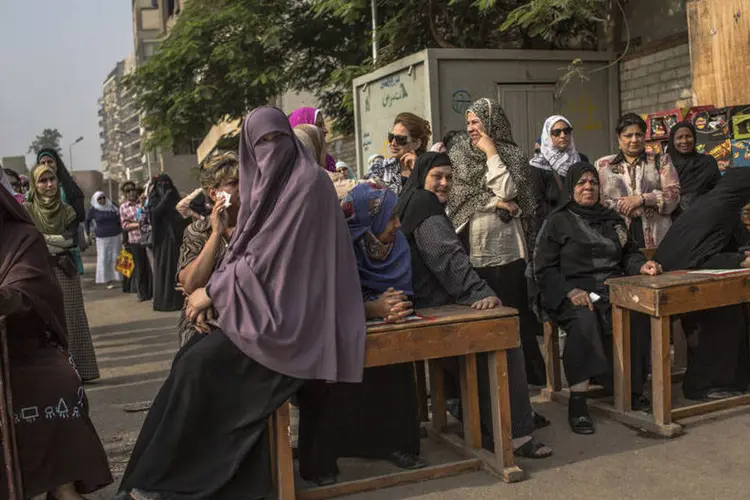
<point x="660" y="187"/>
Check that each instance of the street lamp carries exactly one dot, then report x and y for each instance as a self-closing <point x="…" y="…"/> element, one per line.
<point x="70" y="151"/>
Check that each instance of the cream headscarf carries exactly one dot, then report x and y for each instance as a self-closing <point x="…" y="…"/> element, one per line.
<point x="551" y="158"/>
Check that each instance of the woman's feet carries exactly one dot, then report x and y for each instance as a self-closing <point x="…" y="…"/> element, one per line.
<point x="713" y="394"/>
<point x="532" y="449"/>
<point x="408" y="461"/>
<point x="639" y="402"/>
<point x="540" y="421"/>
<point x="578" y="415"/>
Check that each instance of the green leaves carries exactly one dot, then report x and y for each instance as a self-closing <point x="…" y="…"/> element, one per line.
<point x="224" y="57"/>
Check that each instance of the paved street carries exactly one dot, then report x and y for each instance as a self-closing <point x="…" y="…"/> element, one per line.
<point x="135" y="346"/>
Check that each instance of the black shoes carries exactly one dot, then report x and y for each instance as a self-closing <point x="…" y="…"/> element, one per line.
<point x="408" y="461"/>
<point x="578" y="415"/>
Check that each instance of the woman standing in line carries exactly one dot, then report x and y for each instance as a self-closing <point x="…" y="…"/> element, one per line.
<point x="492" y="208"/>
<point x="643" y="188"/>
<point x="167" y="226"/>
<point x="106" y="216"/>
<point x="407" y="140"/>
<point x="58" y="223"/>
<point x="314" y="117"/>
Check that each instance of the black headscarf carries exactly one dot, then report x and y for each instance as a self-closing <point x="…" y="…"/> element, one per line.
<point x="162" y="201"/>
<point x="710" y="225"/>
<point x="416" y="203"/>
<point x="699" y="173"/>
<point x="596" y="212"/>
<point x="73" y="194"/>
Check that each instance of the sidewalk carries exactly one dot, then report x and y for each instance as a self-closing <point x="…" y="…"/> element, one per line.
<point x="135" y="346"/>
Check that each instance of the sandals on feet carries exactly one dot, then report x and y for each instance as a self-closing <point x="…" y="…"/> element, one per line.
<point x="533" y="449"/>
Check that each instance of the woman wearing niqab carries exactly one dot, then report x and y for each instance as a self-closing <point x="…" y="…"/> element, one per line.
<point x="59" y="450"/>
<point x="288" y="309"/>
<point x="167" y="226"/>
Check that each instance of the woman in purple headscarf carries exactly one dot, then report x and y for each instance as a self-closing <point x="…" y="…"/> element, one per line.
<point x="288" y="308"/>
<point x="380" y="417"/>
<point x="313" y="116"/>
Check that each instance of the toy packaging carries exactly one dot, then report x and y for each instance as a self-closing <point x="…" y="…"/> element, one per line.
<point x="660" y="124"/>
<point x="740" y="153"/>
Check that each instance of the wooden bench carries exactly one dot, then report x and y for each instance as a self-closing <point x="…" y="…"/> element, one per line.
<point x="444" y="332"/>
<point x="661" y="297"/>
<point x="11" y="462"/>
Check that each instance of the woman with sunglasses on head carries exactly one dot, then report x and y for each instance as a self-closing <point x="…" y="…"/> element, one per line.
<point x="643" y="188"/>
<point x="407" y="140"/>
<point x="555" y="154"/>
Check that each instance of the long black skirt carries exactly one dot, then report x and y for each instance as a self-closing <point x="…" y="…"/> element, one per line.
<point x="367" y="420"/>
<point x="206" y="435"/>
<point x="166" y="298"/>
<point x="141" y="282"/>
<point x="509" y="283"/>
<point x="588" y="345"/>
<point x="717" y="351"/>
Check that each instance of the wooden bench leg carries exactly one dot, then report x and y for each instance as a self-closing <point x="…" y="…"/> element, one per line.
<point x="437" y="396"/>
<point x="501" y="423"/>
<point x="470" y="401"/>
<point x="284" y="460"/>
<point x="661" y="377"/>
<point x="552" y="358"/>
<point x="621" y="355"/>
<point x="421" y="377"/>
<point x="680" y="346"/>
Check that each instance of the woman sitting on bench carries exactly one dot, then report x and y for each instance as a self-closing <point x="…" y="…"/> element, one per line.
<point x="710" y="235"/>
<point x="581" y="245"/>
<point x="443" y="275"/>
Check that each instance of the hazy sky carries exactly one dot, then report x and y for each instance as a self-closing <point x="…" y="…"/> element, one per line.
<point x="54" y="56"/>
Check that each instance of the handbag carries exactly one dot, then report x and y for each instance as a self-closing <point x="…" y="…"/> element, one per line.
<point x="124" y="263"/>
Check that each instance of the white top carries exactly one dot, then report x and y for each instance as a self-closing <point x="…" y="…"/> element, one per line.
<point x="493" y="242"/>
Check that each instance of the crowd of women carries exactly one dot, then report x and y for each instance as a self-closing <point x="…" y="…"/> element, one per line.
<point x="288" y="256"/>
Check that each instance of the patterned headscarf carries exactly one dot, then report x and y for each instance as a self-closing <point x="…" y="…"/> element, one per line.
<point x="470" y="192"/>
<point x="50" y="215"/>
<point x="549" y="157"/>
<point x="367" y="209"/>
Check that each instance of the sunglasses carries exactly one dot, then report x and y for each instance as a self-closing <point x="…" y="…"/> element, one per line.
<point x="557" y="132"/>
<point x="401" y="140"/>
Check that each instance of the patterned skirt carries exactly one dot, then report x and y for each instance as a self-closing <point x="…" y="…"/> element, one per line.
<point x="80" y="346"/>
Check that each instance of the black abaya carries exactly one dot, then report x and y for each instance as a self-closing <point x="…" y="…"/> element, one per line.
<point x="167" y="230"/>
<point x="368" y="420"/>
<point x="206" y="435"/>
<point x="141" y="280"/>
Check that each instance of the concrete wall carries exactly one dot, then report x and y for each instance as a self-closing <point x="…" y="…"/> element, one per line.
<point x="657" y="82"/>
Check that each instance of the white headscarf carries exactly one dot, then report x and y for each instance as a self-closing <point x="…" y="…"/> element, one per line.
<point x="5" y="182"/>
<point x="551" y="158"/>
<point x="106" y="207"/>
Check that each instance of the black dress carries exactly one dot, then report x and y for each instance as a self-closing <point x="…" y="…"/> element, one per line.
<point x="549" y="191"/>
<point x="168" y="227"/>
<point x="371" y="419"/>
<point x="206" y="435"/>
<point x="573" y="252"/>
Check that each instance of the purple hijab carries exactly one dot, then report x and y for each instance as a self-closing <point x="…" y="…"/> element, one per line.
<point x="309" y="116"/>
<point x="287" y="292"/>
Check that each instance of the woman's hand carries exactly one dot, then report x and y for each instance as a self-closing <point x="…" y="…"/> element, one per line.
<point x="651" y="268"/>
<point x="486" y="145"/>
<point x="487" y="303"/>
<point x="745" y="264"/>
<point x="218" y="217"/>
<point x="580" y="298"/>
<point x="629" y="204"/>
<point x="393" y="306"/>
<point x="196" y="303"/>
<point x="408" y="160"/>
<point x="510" y="206"/>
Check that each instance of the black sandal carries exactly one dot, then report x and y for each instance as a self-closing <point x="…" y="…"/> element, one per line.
<point x="531" y="450"/>
<point x="408" y="461"/>
<point x="540" y="421"/>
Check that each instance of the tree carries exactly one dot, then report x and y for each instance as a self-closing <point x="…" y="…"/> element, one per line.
<point x="49" y="138"/>
<point x="224" y="57"/>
